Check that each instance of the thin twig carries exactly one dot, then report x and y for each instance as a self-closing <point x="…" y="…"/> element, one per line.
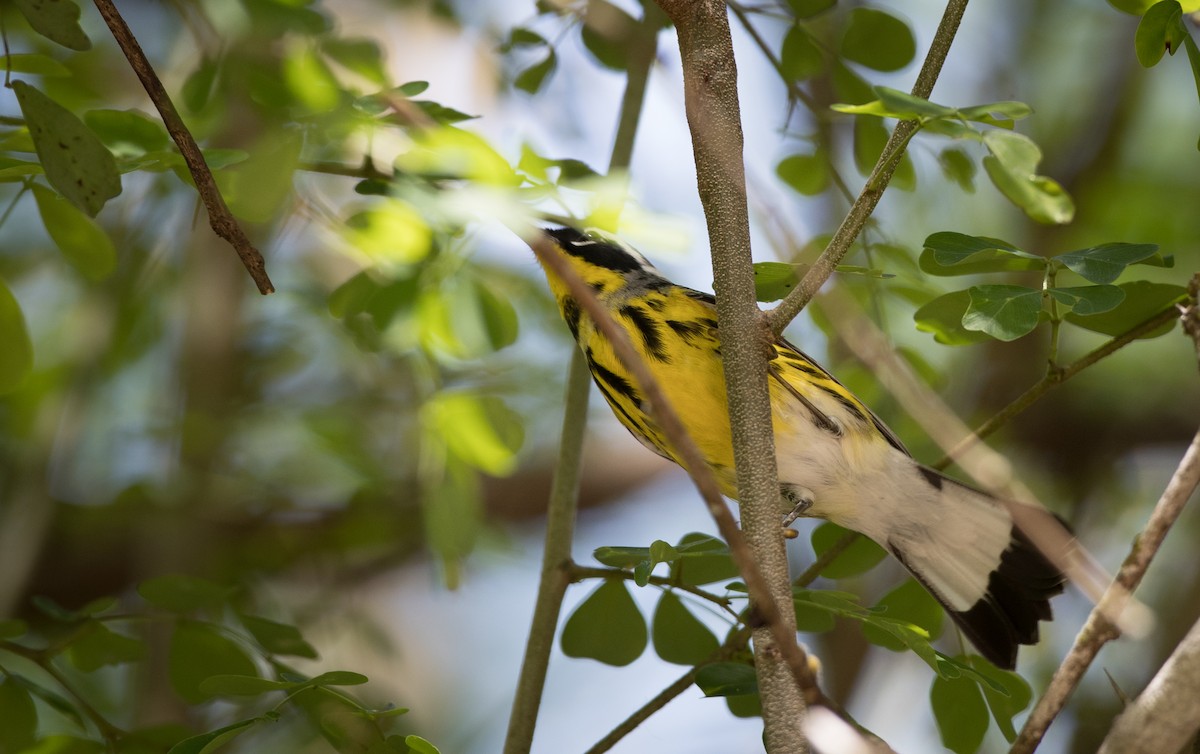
<point x="1099" y="630"/>
<point x="578" y="572"/>
<point x="864" y="205"/>
<point x="219" y="216"/>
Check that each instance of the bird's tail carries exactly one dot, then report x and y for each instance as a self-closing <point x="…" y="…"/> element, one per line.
<point x="990" y="578"/>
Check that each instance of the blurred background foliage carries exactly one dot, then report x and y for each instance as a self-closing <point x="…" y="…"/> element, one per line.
<point x="397" y="402"/>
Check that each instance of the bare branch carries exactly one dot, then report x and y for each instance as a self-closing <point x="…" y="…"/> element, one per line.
<point x="872" y="191"/>
<point x="219" y="216"/>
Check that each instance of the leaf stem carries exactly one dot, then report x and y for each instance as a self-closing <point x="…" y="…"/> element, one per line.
<point x="1055" y="319"/>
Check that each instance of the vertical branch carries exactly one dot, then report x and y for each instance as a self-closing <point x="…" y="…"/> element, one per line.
<point x="560" y="517"/>
<point x="710" y="96"/>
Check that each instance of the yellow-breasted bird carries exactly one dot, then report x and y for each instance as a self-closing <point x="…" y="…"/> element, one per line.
<point x="836" y="459"/>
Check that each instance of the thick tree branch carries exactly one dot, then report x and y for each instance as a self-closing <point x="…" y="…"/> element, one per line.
<point x="1166" y="716"/>
<point x="1099" y="630"/>
<point x="864" y="205"/>
<point x="714" y="118"/>
<point x="219" y="216"/>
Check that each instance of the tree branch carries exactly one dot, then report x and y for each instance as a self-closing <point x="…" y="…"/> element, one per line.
<point x="714" y="118"/>
<point x="219" y="216"/>
<point x="1166" y="715"/>
<point x="1099" y="630"/>
<point x="873" y="189"/>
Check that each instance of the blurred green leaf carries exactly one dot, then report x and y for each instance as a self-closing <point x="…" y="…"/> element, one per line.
<point x="418" y="745"/>
<point x="806" y="173"/>
<point x="607" y="32"/>
<point x="727" y="679"/>
<point x="76" y="162"/>
<point x="858" y="558"/>
<point x="122" y="129"/>
<point x="480" y="429"/>
<point x="1088" y="299"/>
<point x="11" y="628"/>
<point x="242" y="685"/>
<point x="35" y="63"/>
<point x="960" y="712"/>
<point x="958" y="167"/>
<point x="1005" y="312"/>
<point x="59" y="744"/>
<point x="870" y="138"/>
<point x="80" y="238"/>
<point x="311" y="82"/>
<point x="1142" y="301"/>
<point x="453" y="512"/>
<point x="357" y="54"/>
<point x="198" y="86"/>
<point x="878" y="40"/>
<point x="56" y="701"/>
<point x="800" y="58"/>
<point x="276" y="18"/>
<point x="18" y="716"/>
<point x="278" y="638"/>
<point x="1160" y="30"/>
<point x="16" y="358"/>
<point x="197" y="653"/>
<point x="184" y="594"/>
<point x="207" y="743"/>
<point x="56" y="20"/>
<point x="810" y="8"/>
<point x="499" y="317"/>
<point x="99" y="646"/>
<point x="1105" y="263"/>
<point x="390" y="233"/>
<point x="947" y="253"/>
<point x="678" y="636"/>
<point x="1012" y="166"/>
<point x="607" y="626"/>
<point x="531" y="79"/>
<point x="257" y="188"/>
<point x="911" y="603"/>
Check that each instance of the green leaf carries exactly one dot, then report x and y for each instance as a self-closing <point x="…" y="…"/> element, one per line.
<point x="1005" y="312"/>
<point x="960" y="712"/>
<point x="16" y="358"/>
<point x="55" y="700"/>
<point x="773" y="280"/>
<point x="198" y="86"/>
<point x="258" y="187"/>
<point x="878" y="40"/>
<point x="418" y="745"/>
<point x="902" y="103"/>
<point x="1008" y="703"/>
<point x="858" y="558"/>
<point x="80" y="238"/>
<point x="607" y="626"/>
<point x="122" y="130"/>
<point x="727" y="679"/>
<point x="99" y="646"/>
<point x="870" y="138"/>
<point x="806" y="173"/>
<point x="811" y="617"/>
<point x="18" y="716"/>
<point x="77" y="163"/>
<point x="1142" y="301"/>
<point x="412" y="88"/>
<point x="453" y="513"/>
<point x="206" y="743"/>
<point x="678" y="636"/>
<point x="1105" y="263"/>
<point x="358" y="54"/>
<point x="242" y="685"/>
<point x="621" y="557"/>
<point x="703" y="559"/>
<point x="391" y="234"/>
<point x="746" y="705"/>
<point x="338" y="678"/>
<point x="958" y="167"/>
<point x="308" y="78"/>
<point x="1160" y="30"/>
<point x="13" y="628"/>
<point x="498" y="315"/>
<point x="1012" y="166"/>
<point x="197" y="653"/>
<point x="607" y="31"/>
<point x="479" y="429"/>
<point x="531" y="79"/>
<point x="35" y="63"/>
<point x="1193" y="53"/>
<point x="800" y="57"/>
<point x="184" y="594"/>
<point x="910" y="603"/>
<point x="947" y="253"/>
<point x="1088" y="299"/>
<point x="56" y="20"/>
<point x="278" y="638"/>
<point x="810" y="8"/>
<point x="60" y="744"/>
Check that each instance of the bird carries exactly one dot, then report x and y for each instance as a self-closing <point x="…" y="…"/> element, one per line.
<point x="836" y="459"/>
